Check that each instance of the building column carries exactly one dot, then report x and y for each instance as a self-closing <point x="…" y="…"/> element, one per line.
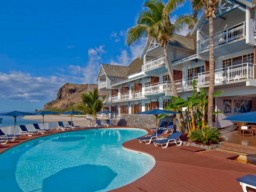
<point x="129" y="108"/>
<point x="119" y="110"/>
<point x="142" y="106"/>
<point x="254" y="58"/>
<point x="161" y="103"/>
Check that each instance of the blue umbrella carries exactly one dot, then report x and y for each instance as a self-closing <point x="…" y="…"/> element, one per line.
<point x="104" y="112"/>
<point x="71" y="113"/>
<point x="157" y="112"/>
<point x="16" y="114"/>
<point x="43" y="113"/>
<point x="249" y="117"/>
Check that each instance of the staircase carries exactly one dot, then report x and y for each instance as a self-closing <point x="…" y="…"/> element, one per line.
<point x="238" y="148"/>
<point x="247" y="154"/>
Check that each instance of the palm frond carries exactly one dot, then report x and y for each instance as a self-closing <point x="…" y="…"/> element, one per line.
<point x="172" y="5"/>
<point x="155" y="6"/>
<point x="136" y="33"/>
<point x="183" y="21"/>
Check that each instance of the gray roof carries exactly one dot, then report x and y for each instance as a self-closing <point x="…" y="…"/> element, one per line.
<point x="115" y="70"/>
<point x="135" y="66"/>
<point x="183" y="42"/>
<point x="123" y="71"/>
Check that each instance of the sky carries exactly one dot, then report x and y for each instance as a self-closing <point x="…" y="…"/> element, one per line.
<point x="47" y="43"/>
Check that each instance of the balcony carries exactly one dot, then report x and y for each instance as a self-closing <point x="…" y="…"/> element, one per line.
<point x="234" y="74"/>
<point x="154" y="64"/>
<point x="114" y="98"/>
<point x="224" y="37"/>
<point x="125" y="97"/>
<point x="102" y="84"/>
<point x="138" y="95"/>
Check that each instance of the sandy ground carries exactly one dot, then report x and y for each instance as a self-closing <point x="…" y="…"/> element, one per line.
<point x="79" y="120"/>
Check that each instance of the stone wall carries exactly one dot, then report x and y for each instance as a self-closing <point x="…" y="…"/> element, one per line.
<point x="140" y="121"/>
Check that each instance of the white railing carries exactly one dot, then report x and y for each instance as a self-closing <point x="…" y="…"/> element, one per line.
<point x="102" y="84"/>
<point x="125" y="97"/>
<point x="224" y="37"/>
<point x="229" y="74"/>
<point x="138" y="95"/>
<point x="114" y="98"/>
<point x="153" y="64"/>
<point x="153" y="89"/>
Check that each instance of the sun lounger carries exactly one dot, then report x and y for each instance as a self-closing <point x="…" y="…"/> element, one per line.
<point x="247" y="181"/>
<point x="169" y="128"/>
<point x="72" y="125"/>
<point x="62" y="126"/>
<point x="38" y="129"/>
<point x="161" y="126"/>
<point x="98" y="123"/>
<point x="108" y="123"/>
<point x="3" y="140"/>
<point x="149" y="138"/>
<point x="10" y="137"/>
<point x="172" y="138"/>
<point x="25" y="131"/>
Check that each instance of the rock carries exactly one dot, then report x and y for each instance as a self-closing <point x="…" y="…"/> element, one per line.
<point x="70" y="94"/>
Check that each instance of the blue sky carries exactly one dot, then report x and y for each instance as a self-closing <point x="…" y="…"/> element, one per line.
<point x="46" y="43"/>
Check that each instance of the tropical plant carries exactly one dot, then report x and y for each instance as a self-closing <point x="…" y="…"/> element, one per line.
<point x="155" y="24"/>
<point x="91" y="103"/>
<point x="195" y="108"/>
<point x="206" y="135"/>
<point x="209" y="7"/>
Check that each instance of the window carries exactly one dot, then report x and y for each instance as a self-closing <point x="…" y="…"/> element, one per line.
<point x="166" y="79"/>
<point x="195" y="71"/>
<point x="248" y="58"/>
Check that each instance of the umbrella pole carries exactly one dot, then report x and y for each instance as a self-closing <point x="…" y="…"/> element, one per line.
<point x="14" y="126"/>
<point x="156" y="125"/>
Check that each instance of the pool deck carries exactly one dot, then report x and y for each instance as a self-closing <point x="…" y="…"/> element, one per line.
<point x="179" y="170"/>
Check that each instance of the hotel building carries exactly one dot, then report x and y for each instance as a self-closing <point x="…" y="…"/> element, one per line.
<point x="145" y="84"/>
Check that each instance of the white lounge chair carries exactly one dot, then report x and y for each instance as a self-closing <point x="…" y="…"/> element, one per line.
<point x="247" y="181"/>
<point x="172" y="138"/>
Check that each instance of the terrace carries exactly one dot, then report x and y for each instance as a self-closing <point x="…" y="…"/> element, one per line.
<point x="224" y="37"/>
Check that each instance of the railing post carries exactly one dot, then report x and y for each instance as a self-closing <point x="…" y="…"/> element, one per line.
<point x="247" y="66"/>
<point x="228" y="74"/>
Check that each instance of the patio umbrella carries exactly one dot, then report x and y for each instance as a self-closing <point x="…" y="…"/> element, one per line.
<point x="43" y="113"/>
<point x="16" y="114"/>
<point x="157" y="112"/>
<point x="104" y="112"/>
<point x="71" y="113"/>
<point x="249" y="117"/>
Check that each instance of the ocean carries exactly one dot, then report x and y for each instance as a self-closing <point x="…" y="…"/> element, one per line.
<point x="7" y="121"/>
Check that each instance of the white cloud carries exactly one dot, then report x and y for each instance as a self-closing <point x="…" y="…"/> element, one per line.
<point x="117" y="36"/>
<point x="127" y="56"/>
<point x="23" y="86"/>
<point x="93" y="65"/>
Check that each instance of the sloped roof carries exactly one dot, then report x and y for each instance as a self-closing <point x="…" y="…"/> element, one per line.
<point x="183" y="42"/>
<point x="115" y="70"/>
<point x="135" y="66"/>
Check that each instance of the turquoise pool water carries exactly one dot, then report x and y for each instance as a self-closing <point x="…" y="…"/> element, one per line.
<point x="92" y="160"/>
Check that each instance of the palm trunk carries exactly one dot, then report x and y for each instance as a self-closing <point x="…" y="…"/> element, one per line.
<point x="211" y="69"/>
<point x="168" y="67"/>
<point x="174" y="89"/>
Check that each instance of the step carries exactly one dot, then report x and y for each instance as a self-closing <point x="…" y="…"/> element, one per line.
<point x="237" y="148"/>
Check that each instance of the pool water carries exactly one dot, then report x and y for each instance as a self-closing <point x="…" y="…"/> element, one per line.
<point x="92" y="160"/>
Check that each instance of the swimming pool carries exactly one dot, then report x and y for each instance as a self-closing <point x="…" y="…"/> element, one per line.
<point x="91" y="160"/>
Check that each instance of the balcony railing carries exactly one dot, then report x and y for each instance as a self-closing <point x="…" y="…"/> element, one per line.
<point x="229" y="74"/>
<point x="154" y="64"/>
<point x="114" y="98"/>
<point x="125" y="97"/>
<point x="224" y="37"/>
<point x="138" y="95"/>
<point x="153" y="89"/>
<point x="102" y="84"/>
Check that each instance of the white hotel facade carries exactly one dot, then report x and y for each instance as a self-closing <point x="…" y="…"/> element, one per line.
<point x="144" y="84"/>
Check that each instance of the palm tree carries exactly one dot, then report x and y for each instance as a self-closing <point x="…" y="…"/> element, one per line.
<point x="155" y="24"/>
<point x="91" y="103"/>
<point x="209" y="7"/>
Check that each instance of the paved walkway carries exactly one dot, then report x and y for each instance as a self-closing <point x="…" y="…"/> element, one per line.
<point x="178" y="170"/>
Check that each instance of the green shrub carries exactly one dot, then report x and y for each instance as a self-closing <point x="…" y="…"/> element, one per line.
<point x="205" y="136"/>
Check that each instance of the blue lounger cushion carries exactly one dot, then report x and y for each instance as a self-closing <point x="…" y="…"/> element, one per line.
<point x="248" y="179"/>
